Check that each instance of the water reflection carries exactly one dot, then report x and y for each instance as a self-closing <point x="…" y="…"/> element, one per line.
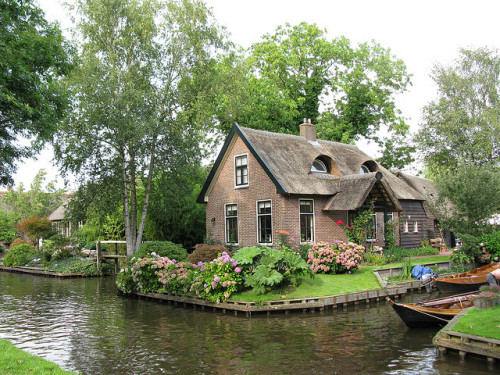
<point x="84" y="325"/>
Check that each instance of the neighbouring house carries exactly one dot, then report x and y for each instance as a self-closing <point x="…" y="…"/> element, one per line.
<point x="59" y="222"/>
<point x="262" y="182"/>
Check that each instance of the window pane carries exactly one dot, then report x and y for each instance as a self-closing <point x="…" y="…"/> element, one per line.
<point x="264" y="207"/>
<point x="265" y="231"/>
<point x="306" y="206"/>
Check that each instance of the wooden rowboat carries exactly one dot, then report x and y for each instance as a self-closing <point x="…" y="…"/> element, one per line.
<point x="436" y="312"/>
<point x="466" y="281"/>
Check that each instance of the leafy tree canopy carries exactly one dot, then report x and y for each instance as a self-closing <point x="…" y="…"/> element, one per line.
<point x="475" y="193"/>
<point x="462" y="126"/>
<point x="297" y="73"/>
<point x="33" y="58"/>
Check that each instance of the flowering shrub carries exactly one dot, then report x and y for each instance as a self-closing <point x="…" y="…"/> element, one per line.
<point x="339" y="257"/>
<point x="217" y="280"/>
<point x="214" y="281"/>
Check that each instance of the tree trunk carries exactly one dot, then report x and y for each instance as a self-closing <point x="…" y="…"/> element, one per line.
<point x="148" y="191"/>
<point x="129" y="237"/>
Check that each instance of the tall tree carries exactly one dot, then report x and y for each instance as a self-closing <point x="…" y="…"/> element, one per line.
<point x="462" y="126"/>
<point x="460" y="140"/>
<point x="33" y="58"/>
<point x="297" y="73"/>
<point x="146" y="77"/>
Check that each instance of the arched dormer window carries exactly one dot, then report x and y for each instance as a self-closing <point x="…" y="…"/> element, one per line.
<point x="364" y="169"/>
<point x="319" y="166"/>
<point x="368" y="167"/>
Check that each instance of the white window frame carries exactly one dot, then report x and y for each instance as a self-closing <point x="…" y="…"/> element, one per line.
<point x="313" y="230"/>
<point x="226" y="226"/>
<point x="241" y="186"/>
<point x="406" y="226"/>
<point x="415" y="226"/>
<point x="259" y="215"/>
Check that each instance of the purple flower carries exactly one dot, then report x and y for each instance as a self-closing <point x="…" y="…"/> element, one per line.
<point x="237" y="270"/>
<point x="204" y="285"/>
<point x="216" y="278"/>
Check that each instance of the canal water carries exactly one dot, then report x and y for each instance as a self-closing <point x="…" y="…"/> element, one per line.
<point x="84" y="326"/>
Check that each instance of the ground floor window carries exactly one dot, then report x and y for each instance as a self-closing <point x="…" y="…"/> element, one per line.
<point x="306" y="220"/>
<point x="264" y="221"/>
<point x="231" y="213"/>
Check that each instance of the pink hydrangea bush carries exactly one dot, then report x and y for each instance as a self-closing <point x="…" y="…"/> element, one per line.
<point x="339" y="257"/>
<point x="217" y="280"/>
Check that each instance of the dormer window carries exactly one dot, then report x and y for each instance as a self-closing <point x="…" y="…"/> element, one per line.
<point x="364" y="169"/>
<point x="241" y="170"/>
<point x="319" y="166"/>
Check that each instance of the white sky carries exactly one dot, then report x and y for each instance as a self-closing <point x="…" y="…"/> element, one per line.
<point x="421" y="33"/>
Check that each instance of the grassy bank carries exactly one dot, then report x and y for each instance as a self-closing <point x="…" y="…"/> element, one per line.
<point x="327" y="285"/>
<point x="14" y="361"/>
<point x="484" y="323"/>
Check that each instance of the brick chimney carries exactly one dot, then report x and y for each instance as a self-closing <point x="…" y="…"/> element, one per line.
<point x="308" y="130"/>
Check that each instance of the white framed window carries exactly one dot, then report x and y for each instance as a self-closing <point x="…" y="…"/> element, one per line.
<point x="264" y="222"/>
<point x="231" y="216"/>
<point x="241" y="171"/>
<point x="406" y="226"/>
<point x="306" y="211"/>
<point x="415" y="226"/>
<point x="319" y="166"/>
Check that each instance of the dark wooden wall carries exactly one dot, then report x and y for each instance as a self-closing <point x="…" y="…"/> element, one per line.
<point x="412" y="211"/>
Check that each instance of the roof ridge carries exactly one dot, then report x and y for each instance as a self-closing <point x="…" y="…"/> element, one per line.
<point x="298" y="137"/>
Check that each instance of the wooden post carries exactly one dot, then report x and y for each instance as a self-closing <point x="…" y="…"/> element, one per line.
<point x="117" y="268"/>
<point x="99" y="260"/>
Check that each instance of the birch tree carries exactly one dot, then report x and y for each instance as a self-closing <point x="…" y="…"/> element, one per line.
<point x="147" y="72"/>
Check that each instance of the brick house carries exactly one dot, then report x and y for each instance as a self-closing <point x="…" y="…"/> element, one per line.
<point x="262" y="182"/>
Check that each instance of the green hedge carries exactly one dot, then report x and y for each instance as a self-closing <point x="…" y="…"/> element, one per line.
<point x="19" y="255"/>
<point x="164" y="249"/>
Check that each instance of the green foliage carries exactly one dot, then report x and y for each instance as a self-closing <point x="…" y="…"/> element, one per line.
<point x="483" y="249"/>
<point x="174" y="214"/>
<point x="40" y="201"/>
<point x="34" y="57"/>
<point x="288" y="74"/>
<point x="205" y="253"/>
<point x="266" y="268"/>
<point x="475" y="193"/>
<point x="55" y="248"/>
<point x="164" y="249"/>
<point x="8" y="231"/>
<point x="360" y="225"/>
<point x="76" y="264"/>
<point x="391" y="229"/>
<point x="19" y="255"/>
<point x="460" y="259"/>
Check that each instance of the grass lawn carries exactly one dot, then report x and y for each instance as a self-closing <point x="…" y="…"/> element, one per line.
<point x="14" y="361"/>
<point x="328" y="285"/>
<point x="420" y="260"/>
<point x="484" y="323"/>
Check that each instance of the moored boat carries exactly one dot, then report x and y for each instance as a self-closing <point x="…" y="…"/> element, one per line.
<point x="465" y="281"/>
<point x="436" y="312"/>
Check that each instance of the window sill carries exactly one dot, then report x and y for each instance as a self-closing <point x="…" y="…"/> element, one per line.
<point x="241" y="187"/>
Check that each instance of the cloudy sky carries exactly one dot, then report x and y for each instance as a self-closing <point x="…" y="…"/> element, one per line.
<point x="421" y="33"/>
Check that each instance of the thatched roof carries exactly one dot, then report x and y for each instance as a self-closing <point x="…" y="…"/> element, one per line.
<point x="58" y="214"/>
<point x="287" y="160"/>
